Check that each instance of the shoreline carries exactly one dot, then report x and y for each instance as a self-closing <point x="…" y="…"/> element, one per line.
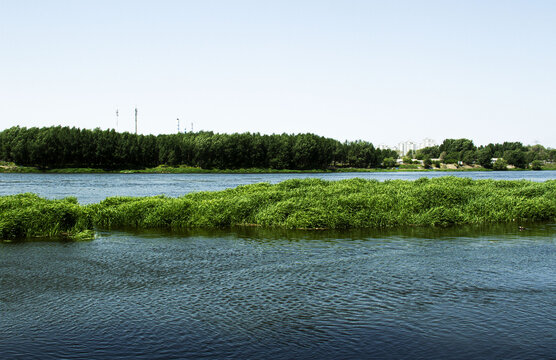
<point x="195" y="170"/>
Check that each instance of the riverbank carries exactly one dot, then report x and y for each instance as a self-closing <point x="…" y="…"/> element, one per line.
<point x="11" y="168"/>
<point x="292" y="204"/>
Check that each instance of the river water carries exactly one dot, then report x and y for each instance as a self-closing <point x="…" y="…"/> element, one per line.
<point x="465" y="292"/>
<point x="89" y="188"/>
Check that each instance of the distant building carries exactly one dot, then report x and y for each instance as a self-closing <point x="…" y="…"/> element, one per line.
<point x="405" y="147"/>
<point x="427" y="143"/>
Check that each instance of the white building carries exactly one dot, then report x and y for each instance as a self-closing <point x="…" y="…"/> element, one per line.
<point x="404" y="147"/>
<point x="407" y="146"/>
<point x="427" y="143"/>
<point x="384" y="147"/>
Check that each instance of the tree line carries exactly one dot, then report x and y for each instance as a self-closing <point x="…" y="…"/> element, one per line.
<point x="453" y="151"/>
<point x="60" y="147"/>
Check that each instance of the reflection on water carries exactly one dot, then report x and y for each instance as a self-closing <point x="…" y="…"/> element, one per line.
<point x="461" y="292"/>
<point x="517" y="230"/>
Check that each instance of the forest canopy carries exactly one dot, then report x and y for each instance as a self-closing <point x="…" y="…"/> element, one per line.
<point x="59" y="147"/>
<point x="65" y="147"/>
<point x="453" y="151"/>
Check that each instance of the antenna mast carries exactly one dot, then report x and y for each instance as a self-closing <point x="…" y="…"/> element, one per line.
<point x="117" y="115"/>
<point x="178" y="120"/>
<point x="136" y="120"/>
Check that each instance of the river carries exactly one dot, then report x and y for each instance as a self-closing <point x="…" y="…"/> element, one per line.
<point x="418" y="293"/>
<point x="89" y="188"/>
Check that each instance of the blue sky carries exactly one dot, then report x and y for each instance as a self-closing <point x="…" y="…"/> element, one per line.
<point x="382" y="71"/>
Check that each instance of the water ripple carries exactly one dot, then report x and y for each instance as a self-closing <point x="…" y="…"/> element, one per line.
<point x="140" y="297"/>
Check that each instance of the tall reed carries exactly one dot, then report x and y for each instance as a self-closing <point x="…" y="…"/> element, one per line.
<point x="30" y="216"/>
<point x="353" y="203"/>
<point x="292" y="204"/>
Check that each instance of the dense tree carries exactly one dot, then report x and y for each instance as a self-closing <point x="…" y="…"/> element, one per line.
<point x="552" y="155"/>
<point x="469" y="157"/>
<point x="536" y="165"/>
<point x="432" y="152"/>
<point x="484" y="157"/>
<point x="500" y="164"/>
<point x="389" y="162"/>
<point x="515" y="158"/>
<point x="54" y="147"/>
<point x="454" y="150"/>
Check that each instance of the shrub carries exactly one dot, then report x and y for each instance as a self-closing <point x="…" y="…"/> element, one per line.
<point x="536" y="165"/>
<point x="500" y="164"/>
<point x="389" y="162"/>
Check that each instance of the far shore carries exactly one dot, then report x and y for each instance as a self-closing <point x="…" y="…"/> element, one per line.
<point x="182" y="169"/>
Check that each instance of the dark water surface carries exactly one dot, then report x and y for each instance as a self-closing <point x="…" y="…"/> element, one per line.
<point x="457" y="293"/>
<point x="470" y="292"/>
<point x="90" y="188"/>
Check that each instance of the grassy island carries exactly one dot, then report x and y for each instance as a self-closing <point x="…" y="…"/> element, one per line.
<point x="292" y="204"/>
<point x="30" y="216"/>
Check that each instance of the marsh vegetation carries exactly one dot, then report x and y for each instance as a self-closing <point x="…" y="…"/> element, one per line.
<point x="292" y="204"/>
<point x="25" y="216"/>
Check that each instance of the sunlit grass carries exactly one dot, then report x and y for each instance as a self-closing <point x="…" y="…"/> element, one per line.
<point x="26" y="216"/>
<point x="353" y="203"/>
<point x="293" y="204"/>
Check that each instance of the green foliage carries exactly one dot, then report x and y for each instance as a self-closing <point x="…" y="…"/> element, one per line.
<point x="450" y="158"/>
<point x="536" y="165"/>
<point x="389" y="162"/>
<point x="432" y="152"/>
<point x="292" y="204"/>
<point x="516" y="158"/>
<point x="484" y="157"/>
<point x="64" y="147"/>
<point x="500" y="164"/>
<point x="29" y="216"/>
<point x="455" y="150"/>
<point x="83" y="150"/>
<point x="468" y="157"/>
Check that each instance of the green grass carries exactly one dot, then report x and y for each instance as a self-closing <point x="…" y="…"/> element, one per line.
<point x="353" y="203"/>
<point x="184" y="169"/>
<point x="293" y="204"/>
<point x="12" y="168"/>
<point x="26" y="216"/>
<point x="76" y="171"/>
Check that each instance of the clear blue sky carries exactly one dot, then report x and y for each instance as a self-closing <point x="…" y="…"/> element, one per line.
<point x="382" y="71"/>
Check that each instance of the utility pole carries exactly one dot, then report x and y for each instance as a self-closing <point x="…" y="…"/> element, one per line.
<point x="136" y="120"/>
